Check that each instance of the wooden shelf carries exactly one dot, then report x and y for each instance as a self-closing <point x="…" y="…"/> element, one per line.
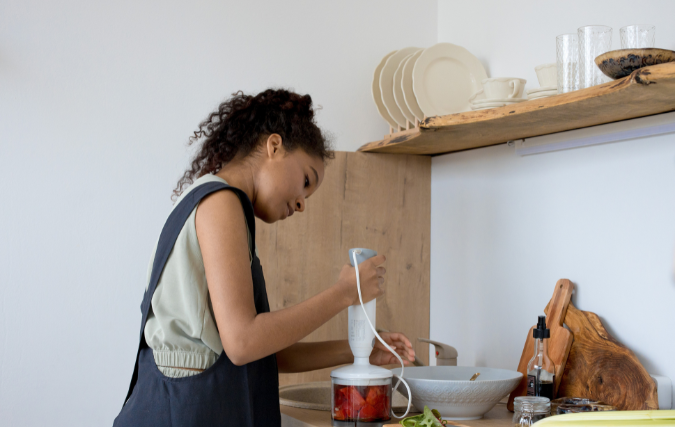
<point x="648" y="91"/>
<point x="499" y="416"/>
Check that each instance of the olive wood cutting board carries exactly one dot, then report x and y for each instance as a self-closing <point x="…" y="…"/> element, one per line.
<point x="559" y="344"/>
<point x="601" y="368"/>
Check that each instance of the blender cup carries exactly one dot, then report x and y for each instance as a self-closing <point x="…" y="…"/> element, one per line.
<point x="360" y="402"/>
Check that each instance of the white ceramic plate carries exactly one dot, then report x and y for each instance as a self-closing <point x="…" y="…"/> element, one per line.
<point x="492" y="101"/>
<point x="444" y="78"/>
<point x="398" y="91"/>
<point x="377" y="95"/>
<point x="387" y="83"/>
<point x="542" y="89"/>
<point x="407" y="86"/>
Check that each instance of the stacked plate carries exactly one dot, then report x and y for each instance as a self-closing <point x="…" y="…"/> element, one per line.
<point x="542" y="92"/>
<point x="414" y="83"/>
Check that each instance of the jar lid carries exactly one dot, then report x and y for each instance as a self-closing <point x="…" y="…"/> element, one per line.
<point x="532" y="399"/>
<point x="531" y="404"/>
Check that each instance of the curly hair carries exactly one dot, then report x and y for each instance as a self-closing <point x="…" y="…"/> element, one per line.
<point x="242" y="122"/>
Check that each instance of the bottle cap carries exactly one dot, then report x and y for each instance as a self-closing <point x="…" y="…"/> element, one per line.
<point x="541" y="331"/>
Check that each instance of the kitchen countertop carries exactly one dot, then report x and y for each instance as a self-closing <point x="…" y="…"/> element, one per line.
<point x="499" y="416"/>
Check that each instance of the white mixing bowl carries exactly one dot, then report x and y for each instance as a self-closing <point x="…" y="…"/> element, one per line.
<point x="448" y="389"/>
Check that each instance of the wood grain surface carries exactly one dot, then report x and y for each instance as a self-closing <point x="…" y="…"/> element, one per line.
<point x="601" y="368"/>
<point x="558" y="345"/>
<point x="498" y="416"/>
<point x="378" y="201"/>
<point x="647" y="91"/>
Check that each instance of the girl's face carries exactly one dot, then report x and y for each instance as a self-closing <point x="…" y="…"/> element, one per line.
<point x="285" y="180"/>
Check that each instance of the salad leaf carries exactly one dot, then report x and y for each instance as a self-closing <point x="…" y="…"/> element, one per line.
<point x="411" y="421"/>
<point x="427" y="419"/>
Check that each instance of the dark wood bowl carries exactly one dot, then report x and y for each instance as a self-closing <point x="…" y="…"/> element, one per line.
<point x="620" y="63"/>
<point x="573" y="409"/>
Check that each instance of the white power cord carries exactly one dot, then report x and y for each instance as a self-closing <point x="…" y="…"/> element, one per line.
<point x="400" y="377"/>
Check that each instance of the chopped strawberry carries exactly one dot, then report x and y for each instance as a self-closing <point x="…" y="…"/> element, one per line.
<point x="375" y="395"/>
<point x="339" y="414"/>
<point x="350" y="403"/>
<point x="357" y="401"/>
<point x="338" y="398"/>
<point x="368" y="413"/>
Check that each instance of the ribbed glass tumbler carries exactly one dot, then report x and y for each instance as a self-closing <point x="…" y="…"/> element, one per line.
<point x="594" y="40"/>
<point x="567" y="60"/>
<point x="637" y="36"/>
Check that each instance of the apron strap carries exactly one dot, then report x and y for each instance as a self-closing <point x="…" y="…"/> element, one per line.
<point x="172" y="228"/>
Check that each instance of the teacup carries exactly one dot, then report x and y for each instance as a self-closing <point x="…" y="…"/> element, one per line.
<point x="502" y="88"/>
<point x="547" y="74"/>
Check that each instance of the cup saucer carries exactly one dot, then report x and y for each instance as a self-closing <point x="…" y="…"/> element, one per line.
<point x="476" y="108"/>
<point x="541" y="89"/>
<point x="491" y="105"/>
<point x="483" y="101"/>
<point x="542" y="94"/>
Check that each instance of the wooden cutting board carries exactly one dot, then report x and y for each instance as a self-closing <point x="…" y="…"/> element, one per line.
<point x="559" y="344"/>
<point x="601" y="368"/>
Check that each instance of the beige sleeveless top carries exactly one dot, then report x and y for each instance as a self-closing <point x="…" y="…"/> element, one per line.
<point x="181" y="328"/>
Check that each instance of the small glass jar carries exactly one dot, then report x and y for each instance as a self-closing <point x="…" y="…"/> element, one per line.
<point x="530" y="409"/>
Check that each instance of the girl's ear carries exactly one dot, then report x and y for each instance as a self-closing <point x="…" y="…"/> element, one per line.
<point x="274" y="146"/>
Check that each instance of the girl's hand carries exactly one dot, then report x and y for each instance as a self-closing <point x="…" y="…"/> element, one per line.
<point x="399" y="342"/>
<point x="372" y="280"/>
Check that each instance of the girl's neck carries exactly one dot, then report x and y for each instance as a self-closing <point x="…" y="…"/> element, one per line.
<point x="240" y="174"/>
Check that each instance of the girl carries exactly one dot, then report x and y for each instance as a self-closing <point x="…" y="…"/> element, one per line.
<point x="210" y="349"/>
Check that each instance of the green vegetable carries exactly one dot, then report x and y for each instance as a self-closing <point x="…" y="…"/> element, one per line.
<point x="430" y="418"/>
<point x="411" y="421"/>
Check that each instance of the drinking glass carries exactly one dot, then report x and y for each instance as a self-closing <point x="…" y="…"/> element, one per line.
<point x="567" y="60"/>
<point x="594" y="40"/>
<point x="637" y="36"/>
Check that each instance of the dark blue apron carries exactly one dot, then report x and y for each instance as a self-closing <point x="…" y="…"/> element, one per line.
<point x="222" y="395"/>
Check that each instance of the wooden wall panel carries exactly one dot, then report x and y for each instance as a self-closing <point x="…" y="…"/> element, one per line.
<point x="378" y="201"/>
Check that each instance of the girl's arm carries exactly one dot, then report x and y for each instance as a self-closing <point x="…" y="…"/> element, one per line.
<point x="246" y="335"/>
<point x="310" y="356"/>
<point x="303" y="357"/>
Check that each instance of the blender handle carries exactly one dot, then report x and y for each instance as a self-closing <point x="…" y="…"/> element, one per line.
<point x="400" y="378"/>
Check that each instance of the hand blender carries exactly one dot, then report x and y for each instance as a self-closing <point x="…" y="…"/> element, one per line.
<point x="361" y="393"/>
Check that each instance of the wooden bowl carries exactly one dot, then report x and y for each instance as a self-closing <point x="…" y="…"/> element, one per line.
<point x="573" y="409"/>
<point x="620" y="63"/>
<point x="572" y="401"/>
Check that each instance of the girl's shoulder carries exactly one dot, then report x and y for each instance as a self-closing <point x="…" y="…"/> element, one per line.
<point x="199" y="181"/>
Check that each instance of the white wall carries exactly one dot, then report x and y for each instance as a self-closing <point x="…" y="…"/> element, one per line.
<point x="97" y="100"/>
<point x="505" y="228"/>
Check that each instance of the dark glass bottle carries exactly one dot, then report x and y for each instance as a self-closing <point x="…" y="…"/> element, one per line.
<point x="540" y="369"/>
